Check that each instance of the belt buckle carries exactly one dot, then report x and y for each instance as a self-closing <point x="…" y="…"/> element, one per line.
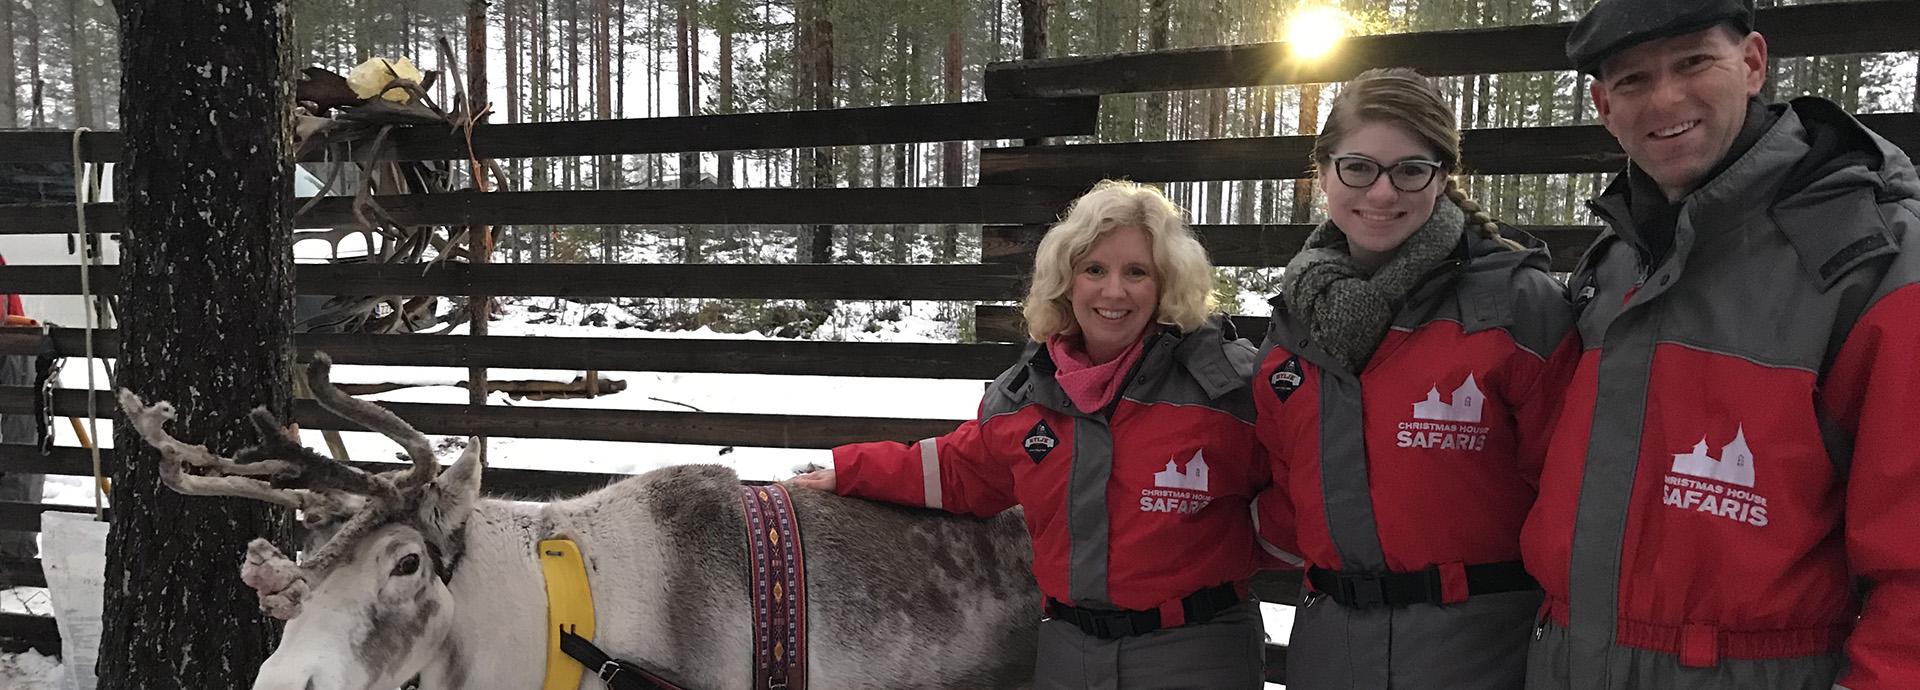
<point x="608" y="671"/>
<point x="1364" y="592"/>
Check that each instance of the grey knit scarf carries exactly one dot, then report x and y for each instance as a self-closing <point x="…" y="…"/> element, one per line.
<point x="1348" y="308"/>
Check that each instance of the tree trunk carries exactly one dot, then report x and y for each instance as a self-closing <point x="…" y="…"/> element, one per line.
<point x="821" y="53"/>
<point x="953" y="159"/>
<point x="363" y="31"/>
<point x="9" y="83"/>
<point x="476" y="55"/>
<point x="1309" y="124"/>
<point x="1033" y="41"/>
<point x="207" y="290"/>
<point x="511" y="39"/>
<point x="1158" y="28"/>
<point x="725" y="11"/>
<point x="603" y="84"/>
<point x="689" y="66"/>
<point x="38" y="119"/>
<point x="82" y="76"/>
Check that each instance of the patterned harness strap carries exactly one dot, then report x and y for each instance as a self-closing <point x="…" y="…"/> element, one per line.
<point x="777" y="580"/>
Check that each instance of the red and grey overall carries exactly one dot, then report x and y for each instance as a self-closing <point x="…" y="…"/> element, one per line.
<point x="1403" y="487"/>
<point x="1732" y="496"/>
<point x="1142" y="536"/>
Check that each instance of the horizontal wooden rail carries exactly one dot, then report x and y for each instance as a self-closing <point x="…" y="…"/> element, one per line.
<point x="24" y="516"/>
<point x="1004" y="324"/>
<point x="1814" y="29"/>
<point x="1264" y="245"/>
<point x="765" y="281"/>
<point x="23" y="631"/>
<point x="21" y="572"/>
<point x="785" y="357"/>
<point x="867" y="206"/>
<point x="584" y="424"/>
<point x="900" y="124"/>
<point x="498" y="481"/>
<point x="1514" y="151"/>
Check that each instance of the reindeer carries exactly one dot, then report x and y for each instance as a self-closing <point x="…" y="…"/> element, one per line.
<point x="411" y="573"/>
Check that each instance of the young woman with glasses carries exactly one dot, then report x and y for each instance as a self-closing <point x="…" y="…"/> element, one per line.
<point x="1416" y="355"/>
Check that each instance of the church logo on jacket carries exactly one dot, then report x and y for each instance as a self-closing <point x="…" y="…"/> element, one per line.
<point x="1464" y="405"/>
<point x="1452" y="423"/>
<point x="1719" y="486"/>
<point x="1180" y="488"/>
<point x="1040" y="441"/>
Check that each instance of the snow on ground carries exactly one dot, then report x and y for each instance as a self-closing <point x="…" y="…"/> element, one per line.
<point x="739" y="393"/>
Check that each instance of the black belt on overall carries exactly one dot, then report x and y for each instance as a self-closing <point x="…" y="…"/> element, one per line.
<point x="1114" y="623"/>
<point x="1372" y="590"/>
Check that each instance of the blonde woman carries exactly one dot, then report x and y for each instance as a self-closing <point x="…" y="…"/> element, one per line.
<point x="1125" y="431"/>
<point x="1411" y="372"/>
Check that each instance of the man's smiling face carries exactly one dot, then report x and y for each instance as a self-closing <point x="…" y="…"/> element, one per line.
<point x="1676" y="104"/>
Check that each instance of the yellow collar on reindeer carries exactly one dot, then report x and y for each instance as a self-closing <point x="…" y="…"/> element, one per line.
<point x="569" y="606"/>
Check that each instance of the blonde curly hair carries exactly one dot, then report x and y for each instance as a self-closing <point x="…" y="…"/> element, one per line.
<point x="1182" y="272"/>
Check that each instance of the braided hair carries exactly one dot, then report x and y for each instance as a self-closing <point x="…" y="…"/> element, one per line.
<point x="1403" y="97"/>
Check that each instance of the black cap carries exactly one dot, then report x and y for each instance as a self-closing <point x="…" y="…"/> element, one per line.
<point x="1616" y="25"/>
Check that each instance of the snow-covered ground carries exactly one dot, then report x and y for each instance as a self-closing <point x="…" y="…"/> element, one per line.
<point x="741" y="393"/>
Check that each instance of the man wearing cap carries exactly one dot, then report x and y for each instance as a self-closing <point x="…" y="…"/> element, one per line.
<point x="1732" y="495"/>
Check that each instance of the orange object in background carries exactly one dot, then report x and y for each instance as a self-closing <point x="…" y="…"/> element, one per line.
<point x="18" y="320"/>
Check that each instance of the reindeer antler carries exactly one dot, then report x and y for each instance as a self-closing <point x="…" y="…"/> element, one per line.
<point x="295" y="477"/>
<point x="374" y="418"/>
<point x="149" y="421"/>
<point x="295" y="472"/>
<point x="276" y="580"/>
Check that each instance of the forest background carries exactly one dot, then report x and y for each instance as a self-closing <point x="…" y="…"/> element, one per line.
<point x="552" y="60"/>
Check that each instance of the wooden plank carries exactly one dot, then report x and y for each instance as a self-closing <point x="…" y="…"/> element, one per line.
<point x="1822" y="29"/>
<point x="789" y="357"/>
<point x="1003" y="323"/>
<point x="22" y="631"/>
<point x="899" y="124"/>
<point x="764" y="281"/>
<point x="24" y="516"/>
<point x="867" y="206"/>
<point x="1510" y="151"/>
<point x="498" y="481"/>
<point x="1265" y="245"/>
<point x="646" y="426"/>
<point x="21" y="572"/>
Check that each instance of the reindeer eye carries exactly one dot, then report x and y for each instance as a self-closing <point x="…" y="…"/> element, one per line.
<point x="408" y="565"/>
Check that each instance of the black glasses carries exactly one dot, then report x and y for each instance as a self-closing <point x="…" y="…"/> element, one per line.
<point x="1360" y="172"/>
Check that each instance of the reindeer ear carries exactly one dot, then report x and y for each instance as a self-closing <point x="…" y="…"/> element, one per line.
<point x="451" y="495"/>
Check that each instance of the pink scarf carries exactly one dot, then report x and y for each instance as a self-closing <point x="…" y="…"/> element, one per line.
<point x="1090" y="386"/>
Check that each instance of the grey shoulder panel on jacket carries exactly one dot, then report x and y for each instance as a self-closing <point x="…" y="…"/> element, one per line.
<point x="1543" y="314"/>
<point x="1009" y="390"/>
<point x="1512" y="290"/>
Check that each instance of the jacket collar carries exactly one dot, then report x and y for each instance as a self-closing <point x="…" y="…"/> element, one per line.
<point x="1200" y="352"/>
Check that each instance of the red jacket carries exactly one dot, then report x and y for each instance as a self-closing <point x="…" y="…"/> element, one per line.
<point x="9" y="304"/>
<point x="1735" y="463"/>
<point x="1431" y="454"/>
<point x="1133" y="510"/>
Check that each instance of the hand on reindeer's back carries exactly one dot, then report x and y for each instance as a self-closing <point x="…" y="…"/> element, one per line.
<point x="820" y="480"/>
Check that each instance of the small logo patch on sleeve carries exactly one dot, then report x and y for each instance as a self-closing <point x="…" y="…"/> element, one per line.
<point x="1286" y="379"/>
<point x="1040" y="441"/>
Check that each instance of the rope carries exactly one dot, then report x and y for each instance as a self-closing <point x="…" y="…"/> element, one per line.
<point x="89" y="258"/>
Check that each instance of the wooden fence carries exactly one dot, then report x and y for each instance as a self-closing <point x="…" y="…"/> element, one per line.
<point x="1021" y="188"/>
